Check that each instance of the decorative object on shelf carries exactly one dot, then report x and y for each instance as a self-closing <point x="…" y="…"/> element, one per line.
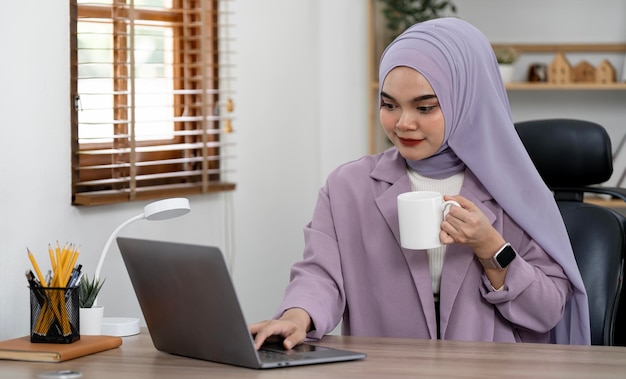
<point x="156" y="211"/>
<point x="538" y="73"/>
<point x="90" y="315"/>
<point x="560" y="70"/>
<point x="584" y="72"/>
<point x="400" y="14"/>
<point x="506" y="57"/>
<point x="605" y="73"/>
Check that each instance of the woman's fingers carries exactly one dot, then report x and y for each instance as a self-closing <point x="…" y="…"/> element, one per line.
<point x="266" y="330"/>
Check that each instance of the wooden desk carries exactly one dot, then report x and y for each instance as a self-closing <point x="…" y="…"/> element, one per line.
<point x="387" y="357"/>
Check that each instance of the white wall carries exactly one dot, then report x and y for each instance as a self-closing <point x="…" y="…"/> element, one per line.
<point x="301" y="103"/>
<point x="301" y="90"/>
<point x="286" y="146"/>
<point x="562" y="21"/>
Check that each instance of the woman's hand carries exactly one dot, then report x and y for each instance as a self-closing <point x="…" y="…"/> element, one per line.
<point x="292" y="326"/>
<point x="468" y="225"/>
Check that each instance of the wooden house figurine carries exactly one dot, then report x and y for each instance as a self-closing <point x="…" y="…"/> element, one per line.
<point x="605" y="73"/>
<point x="560" y="71"/>
<point x="584" y="72"/>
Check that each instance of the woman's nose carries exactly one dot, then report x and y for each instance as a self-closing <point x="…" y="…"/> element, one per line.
<point x="406" y="122"/>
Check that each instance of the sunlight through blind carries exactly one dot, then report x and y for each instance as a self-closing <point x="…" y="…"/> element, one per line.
<point x="151" y="98"/>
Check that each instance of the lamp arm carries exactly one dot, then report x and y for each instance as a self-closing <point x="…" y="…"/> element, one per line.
<point x="110" y="240"/>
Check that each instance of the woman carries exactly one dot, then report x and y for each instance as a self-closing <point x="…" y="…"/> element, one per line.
<point x="444" y="107"/>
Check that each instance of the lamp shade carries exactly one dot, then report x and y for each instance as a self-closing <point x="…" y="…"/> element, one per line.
<point x="166" y="209"/>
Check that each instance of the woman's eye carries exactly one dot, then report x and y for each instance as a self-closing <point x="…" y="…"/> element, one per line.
<point x="386" y="105"/>
<point x="427" y="109"/>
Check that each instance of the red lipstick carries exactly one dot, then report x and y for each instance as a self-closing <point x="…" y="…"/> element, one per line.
<point x="409" y="142"/>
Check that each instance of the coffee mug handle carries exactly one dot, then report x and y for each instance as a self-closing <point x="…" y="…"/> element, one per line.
<point x="446" y="206"/>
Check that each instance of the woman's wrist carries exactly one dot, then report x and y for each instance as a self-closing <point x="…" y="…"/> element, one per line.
<point x="489" y="246"/>
<point x="299" y="317"/>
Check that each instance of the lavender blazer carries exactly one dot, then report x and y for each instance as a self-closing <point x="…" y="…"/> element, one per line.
<point x="355" y="271"/>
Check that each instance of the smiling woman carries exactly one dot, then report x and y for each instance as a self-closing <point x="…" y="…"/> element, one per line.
<point x="410" y="114"/>
<point x="150" y="99"/>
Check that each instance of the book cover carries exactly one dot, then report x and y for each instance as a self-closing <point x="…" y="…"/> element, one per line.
<point x="21" y="349"/>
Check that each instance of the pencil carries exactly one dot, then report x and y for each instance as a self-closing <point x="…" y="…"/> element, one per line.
<point x="71" y="261"/>
<point x="53" y="262"/>
<point x="58" y="254"/>
<point x="36" y="267"/>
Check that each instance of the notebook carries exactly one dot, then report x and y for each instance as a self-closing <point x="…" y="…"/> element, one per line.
<point x="191" y="309"/>
<point x="21" y="349"/>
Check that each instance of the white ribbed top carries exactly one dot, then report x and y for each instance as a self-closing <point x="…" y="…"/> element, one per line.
<point x="448" y="186"/>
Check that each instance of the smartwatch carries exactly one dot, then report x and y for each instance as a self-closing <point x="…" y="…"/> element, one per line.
<point x="501" y="259"/>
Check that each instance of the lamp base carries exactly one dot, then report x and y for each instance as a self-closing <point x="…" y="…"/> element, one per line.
<point x="120" y="326"/>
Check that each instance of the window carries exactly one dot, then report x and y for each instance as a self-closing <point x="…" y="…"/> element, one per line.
<point x="150" y="100"/>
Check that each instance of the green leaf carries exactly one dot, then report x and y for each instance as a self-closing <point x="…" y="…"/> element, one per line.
<point x="88" y="291"/>
<point x="401" y="14"/>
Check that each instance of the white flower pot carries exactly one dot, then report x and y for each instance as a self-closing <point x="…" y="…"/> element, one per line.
<point x="506" y="71"/>
<point x="91" y="320"/>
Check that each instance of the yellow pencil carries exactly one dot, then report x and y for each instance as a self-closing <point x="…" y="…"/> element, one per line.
<point x="57" y="252"/>
<point x="63" y="258"/>
<point x="53" y="262"/>
<point x="71" y="261"/>
<point x="59" y="273"/>
<point x="36" y="267"/>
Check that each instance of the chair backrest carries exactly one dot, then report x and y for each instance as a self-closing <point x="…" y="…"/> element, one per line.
<point x="571" y="155"/>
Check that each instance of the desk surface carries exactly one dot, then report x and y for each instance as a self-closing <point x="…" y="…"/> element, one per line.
<point x="411" y="358"/>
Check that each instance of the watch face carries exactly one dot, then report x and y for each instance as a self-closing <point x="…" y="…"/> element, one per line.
<point x="505" y="256"/>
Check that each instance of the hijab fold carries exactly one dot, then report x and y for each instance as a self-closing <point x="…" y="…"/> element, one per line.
<point x="458" y="61"/>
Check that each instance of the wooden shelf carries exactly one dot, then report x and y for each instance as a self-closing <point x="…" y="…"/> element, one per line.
<point x="528" y="86"/>
<point x="566" y="48"/>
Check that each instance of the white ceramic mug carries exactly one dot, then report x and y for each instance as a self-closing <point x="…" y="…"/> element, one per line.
<point x="420" y="214"/>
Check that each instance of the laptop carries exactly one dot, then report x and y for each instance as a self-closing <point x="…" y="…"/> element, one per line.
<point x="191" y="309"/>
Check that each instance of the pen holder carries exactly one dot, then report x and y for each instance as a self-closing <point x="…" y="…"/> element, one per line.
<point x="54" y="315"/>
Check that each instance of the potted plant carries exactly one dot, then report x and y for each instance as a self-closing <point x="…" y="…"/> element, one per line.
<point x="89" y="291"/>
<point x="400" y="14"/>
<point x="90" y="315"/>
<point x="506" y="57"/>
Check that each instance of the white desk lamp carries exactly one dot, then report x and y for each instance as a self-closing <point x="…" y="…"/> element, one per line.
<point x="158" y="210"/>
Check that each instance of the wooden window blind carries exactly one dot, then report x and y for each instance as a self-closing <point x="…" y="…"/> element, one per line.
<point x="150" y="99"/>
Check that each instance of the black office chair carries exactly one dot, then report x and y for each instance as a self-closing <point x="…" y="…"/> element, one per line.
<point x="573" y="157"/>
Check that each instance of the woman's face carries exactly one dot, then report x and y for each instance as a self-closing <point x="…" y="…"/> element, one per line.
<point x="410" y="114"/>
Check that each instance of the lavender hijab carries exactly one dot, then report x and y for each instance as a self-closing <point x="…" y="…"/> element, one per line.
<point x="458" y="61"/>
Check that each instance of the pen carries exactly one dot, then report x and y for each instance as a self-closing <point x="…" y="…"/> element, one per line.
<point x="32" y="282"/>
<point x="48" y="278"/>
<point x="75" y="276"/>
